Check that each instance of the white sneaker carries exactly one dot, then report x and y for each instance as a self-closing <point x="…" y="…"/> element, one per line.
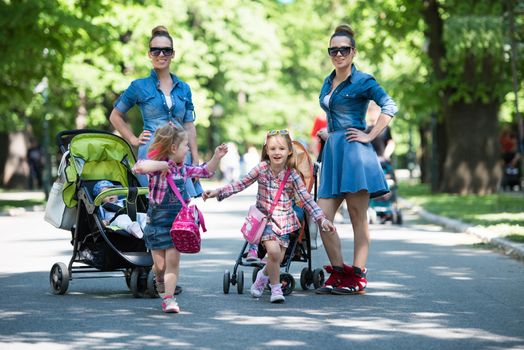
<point x="135" y="230"/>
<point x="169" y="305"/>
<point x="257" y="288"/>
<point x="276" y="294"/>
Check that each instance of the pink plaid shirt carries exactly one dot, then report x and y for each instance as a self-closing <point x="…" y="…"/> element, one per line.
<point x="158" y="184"/>
<point x="284" y="220"/>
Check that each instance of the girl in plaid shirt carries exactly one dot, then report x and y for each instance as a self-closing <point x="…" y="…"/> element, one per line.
<point x="166" y="158"/>
<point x="277" y="157"/>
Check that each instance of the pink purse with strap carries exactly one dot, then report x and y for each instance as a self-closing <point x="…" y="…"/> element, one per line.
<point x="185" y="231"/>
<point x="256" y="221"/>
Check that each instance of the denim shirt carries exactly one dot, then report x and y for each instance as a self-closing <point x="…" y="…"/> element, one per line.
<point x="348" y="104"/>
<point x="146" y="93"/>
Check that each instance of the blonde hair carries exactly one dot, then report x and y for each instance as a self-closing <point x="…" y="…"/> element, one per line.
<point x="344" y="30"/>
<point x="165" y="137"/>
<point x="160" y="31"/>
<point x="291" y="159"/>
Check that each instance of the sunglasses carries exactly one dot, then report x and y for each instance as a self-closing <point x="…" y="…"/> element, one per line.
<point x="155" y="51"/>
<point x="277" y="132"/>
<point x="344" y="50"/>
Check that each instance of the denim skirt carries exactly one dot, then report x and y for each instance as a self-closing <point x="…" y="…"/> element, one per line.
<point x="349" y="167"/>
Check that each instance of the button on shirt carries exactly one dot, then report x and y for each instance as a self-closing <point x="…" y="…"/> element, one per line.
<point x="348" y="104"/>
<point x="284" y="219"/>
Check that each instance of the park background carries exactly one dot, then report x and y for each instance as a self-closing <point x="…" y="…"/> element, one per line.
<point x="453" y="67"/>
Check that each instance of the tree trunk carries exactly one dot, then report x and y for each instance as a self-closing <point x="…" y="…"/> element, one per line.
<point x="424" y="153"/>
<point x="472" y="162"/>
<point x="4" y="152"/>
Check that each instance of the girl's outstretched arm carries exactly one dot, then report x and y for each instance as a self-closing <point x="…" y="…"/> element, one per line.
<point x="220" y="152"/>
<point x="145" y="166"/>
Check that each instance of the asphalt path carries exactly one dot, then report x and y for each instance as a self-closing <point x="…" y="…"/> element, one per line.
<point x="428" y="289"/>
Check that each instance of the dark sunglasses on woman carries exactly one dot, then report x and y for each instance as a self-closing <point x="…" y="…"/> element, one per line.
<point x="344" y="50"/>
<point x="166" y="51"/>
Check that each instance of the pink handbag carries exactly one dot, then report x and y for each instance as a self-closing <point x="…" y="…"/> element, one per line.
<point x="185" y="231"/>
<point x="256" y="221"/>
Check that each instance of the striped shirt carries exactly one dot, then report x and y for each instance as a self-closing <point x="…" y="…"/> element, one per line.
<point x="284" y="219"/>
<point x="158" y="184"/>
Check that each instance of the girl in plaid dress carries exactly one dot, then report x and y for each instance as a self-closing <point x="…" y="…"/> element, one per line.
<point x="277" y="158"/>
<point x="166" y="158"/>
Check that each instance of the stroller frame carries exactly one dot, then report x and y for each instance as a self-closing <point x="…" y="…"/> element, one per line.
<point x="135" y="263"/>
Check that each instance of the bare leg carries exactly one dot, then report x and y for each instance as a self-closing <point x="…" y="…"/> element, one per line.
<point x="357" y="204"/>
<point x="275" y="254"/>
<point x="172" y="268"/>
<point x="159" y="266"/>
<point x="331" y="240"/>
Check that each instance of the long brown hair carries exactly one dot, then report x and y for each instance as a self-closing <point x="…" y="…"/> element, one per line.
<point x="165" y="137"/>
<point x="291" y="159"/>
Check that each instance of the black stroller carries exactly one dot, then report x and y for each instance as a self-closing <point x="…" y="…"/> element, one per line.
<point x="89" y="156"/>
<point x="300" y="244"/>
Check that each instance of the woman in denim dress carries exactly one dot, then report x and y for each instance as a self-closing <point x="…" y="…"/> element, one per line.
<point x="166" y="158"/>
<point x="350" y="171"/>
<point x="162" y="98"/>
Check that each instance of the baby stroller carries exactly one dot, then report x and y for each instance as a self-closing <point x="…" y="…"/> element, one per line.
<point x="385" y="208"/>
<point x="300" y="244"/>
<point x="90" y="156"/>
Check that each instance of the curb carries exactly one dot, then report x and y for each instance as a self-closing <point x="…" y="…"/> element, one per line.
<point x="510" y="248"/>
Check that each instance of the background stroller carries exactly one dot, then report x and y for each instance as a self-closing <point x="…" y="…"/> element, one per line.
<point x="92" y="155"/>
<point x="300" y="244"/>
<point x="385" y="208"/>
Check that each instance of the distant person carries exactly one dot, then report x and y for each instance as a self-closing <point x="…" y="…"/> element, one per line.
<point x="351" y="171"/>
<point x="319" y="124"/>
<point x="162" y="98"/>
<point x="230" y="164"/>
<point x="250" y="159"/>
<point x="383" y="144"/>
<point x="35" y="160"/>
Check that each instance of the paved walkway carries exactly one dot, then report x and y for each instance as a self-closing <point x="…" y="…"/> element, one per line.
<point x="510" y="248"/>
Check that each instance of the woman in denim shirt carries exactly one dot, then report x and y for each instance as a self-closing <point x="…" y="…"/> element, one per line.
<point x="350" y="168"/>
<point x="162" y="98"/>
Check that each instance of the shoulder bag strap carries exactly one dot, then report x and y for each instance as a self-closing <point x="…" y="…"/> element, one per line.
<point x="169" y="178"/>
<point x="280" y="189"/>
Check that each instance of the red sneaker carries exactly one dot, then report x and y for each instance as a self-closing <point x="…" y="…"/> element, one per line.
<point x="353" y="282"/>
<point x="335" y="278"/>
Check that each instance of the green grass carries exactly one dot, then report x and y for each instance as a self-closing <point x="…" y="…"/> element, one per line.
<point x="9" y="204"/>
<point x="502" y="212"/>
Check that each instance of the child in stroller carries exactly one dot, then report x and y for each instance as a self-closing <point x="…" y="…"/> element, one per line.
<point x="91" y="156"/>
<point x="113" y="210"/>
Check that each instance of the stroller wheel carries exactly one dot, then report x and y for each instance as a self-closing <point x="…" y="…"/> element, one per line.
<point x="398" y="219"/>
<point x="306" y="278"/>
<point x="240" y="282"/>
<point x="318" y="278"/>
<point x="127" y="276"/>
<point x="226" y="281"/>
<point x="59" y="278"/>
<point x="288" y="283"/>
<point x="151" y="286"/>
<point x="138" y="282"/>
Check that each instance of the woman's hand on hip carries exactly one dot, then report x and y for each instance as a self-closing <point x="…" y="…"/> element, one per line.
<point x="353" y="134"/>
<point x="144" y="137"/>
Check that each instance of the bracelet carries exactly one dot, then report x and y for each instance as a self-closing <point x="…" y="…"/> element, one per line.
<point x="322" y="223"/>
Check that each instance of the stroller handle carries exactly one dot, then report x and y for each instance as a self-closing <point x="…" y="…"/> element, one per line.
<point x="63" y="138"/>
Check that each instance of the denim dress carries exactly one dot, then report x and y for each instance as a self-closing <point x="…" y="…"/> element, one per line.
<point x="161" y="217"/>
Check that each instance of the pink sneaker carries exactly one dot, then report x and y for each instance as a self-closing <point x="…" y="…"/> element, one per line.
<point x="170" y="305"/>
<point x="252" y="255"/>
<point x="257" y="288"/>
<point x="276" y="293"/>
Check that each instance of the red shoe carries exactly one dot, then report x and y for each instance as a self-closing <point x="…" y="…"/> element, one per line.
<point x="335" y="278"/>
<point x="354" y="281"/>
